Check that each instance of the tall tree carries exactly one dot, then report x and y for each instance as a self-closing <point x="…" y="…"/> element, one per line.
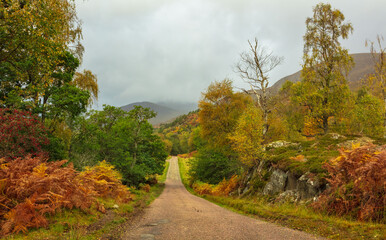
<point x="140" y="116"/>
<point x="247" y="138"/>
<point x="325" y="62"/>
<point x="220" y="109"/>
<point x="33" y="35"/>
<point x="378" y="79"/>
<point x="254" y="68"/>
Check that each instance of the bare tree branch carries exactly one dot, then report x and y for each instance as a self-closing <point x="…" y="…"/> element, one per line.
<point x="254" y="67"/>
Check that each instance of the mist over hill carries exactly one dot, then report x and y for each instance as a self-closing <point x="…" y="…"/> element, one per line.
<point x="364" y="65"/>
<point x="166" y="111"/>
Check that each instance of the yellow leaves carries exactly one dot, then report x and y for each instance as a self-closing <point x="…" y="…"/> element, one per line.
<point x="355" y="145"/>
<point x="335" y="161"/>
<point x="40" y="170"/>
<point x="247" y="137"/>
<point x="222" y="189"/>
<point x="87" y="81"/>
<point x="219" y="111"/>
<point x="106" y="181"/>
<point x="299" y="158"/>
<point x="3" y="183"/>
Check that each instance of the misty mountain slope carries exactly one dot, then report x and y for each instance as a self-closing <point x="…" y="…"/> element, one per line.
<point x="364" y="65"/>
<point x="164" y="113"/>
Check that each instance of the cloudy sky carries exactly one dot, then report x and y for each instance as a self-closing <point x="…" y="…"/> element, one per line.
<point x="171" y="50"/>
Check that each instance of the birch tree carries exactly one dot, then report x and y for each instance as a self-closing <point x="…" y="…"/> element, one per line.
<point x="325" y="62"/>
<point x="254" y="68"/>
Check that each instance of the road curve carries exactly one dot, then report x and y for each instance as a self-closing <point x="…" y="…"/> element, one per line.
<point x="177" y="214"/>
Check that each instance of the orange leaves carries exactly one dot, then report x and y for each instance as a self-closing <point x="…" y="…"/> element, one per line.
<point x="357" y="184"/>
<point x="105" y="181"/>
<point x="31" y="189"/>
<point x="311" y="125"/>
<point x="202" y="188"/>
<point x="299" y="158"/>
<point x="219" y="110"/>
<point x="224" y="188"/>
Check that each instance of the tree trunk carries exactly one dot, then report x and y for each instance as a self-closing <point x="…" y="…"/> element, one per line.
<point x="264" y="107"/>
<point x="325" y="124"/>
<point x="134" y="155"/>
<point x="135" y="146"/>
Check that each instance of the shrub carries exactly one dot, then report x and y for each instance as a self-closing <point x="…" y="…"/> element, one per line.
<point x="357" y="184"/>
<point x="226" y="186"/>
<point x="21" y="134"/>
<point x="212" y="166"/>
<point x="202" y="188"/>
<point x="105" y="181"/>
<point x="32" y="188"/>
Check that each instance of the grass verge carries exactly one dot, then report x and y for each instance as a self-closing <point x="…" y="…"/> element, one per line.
<point x="294" y="216"/>
<point x="92" y="224"/>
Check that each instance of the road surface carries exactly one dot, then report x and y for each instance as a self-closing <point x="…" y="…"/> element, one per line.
<point x="177" y="214"/>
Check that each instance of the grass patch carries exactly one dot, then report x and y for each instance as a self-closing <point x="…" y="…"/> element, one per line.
<point x="162" y="178"/>
<point x="298" y="217"/>
<point x="183" y="165"/>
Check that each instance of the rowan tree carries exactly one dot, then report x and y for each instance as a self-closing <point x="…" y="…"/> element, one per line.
<point x="325" y="62"/>
<point x="254" y="68"/>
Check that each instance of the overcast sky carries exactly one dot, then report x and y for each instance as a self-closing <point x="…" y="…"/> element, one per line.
<point x="171" y="50"/>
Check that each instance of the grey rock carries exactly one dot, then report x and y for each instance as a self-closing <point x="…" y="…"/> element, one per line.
<point x="276" y="183"/>
<point x="281" y="143"/>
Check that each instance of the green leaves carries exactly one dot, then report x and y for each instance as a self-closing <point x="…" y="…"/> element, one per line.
<point x="124" y="139"/>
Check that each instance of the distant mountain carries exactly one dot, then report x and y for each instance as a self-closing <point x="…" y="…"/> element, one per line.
<point x="364" y="65"/>
<point x="182" y="107"/>
<point x="164" y="112"/>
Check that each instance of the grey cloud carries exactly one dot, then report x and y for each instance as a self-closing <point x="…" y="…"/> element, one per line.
<point x="172" y="50"/>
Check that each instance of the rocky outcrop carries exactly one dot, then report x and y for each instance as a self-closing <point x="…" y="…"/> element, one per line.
<point x="290" y="188"/>
<point x="277" y="182"/>
<point x="285" y="186"/>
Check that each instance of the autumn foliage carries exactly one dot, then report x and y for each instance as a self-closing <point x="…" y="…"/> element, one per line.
<point x="32" y="189"/>
<point x="105" y="181"/>
<point x="224" y="188"/>
<point x="21" y="133"/>
<point x="357" y="184"/>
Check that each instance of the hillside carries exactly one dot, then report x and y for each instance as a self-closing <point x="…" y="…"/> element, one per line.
<point x="364" y="65"/>
<point x="163" y="113"/>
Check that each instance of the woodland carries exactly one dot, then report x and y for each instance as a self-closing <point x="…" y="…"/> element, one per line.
<point x="58" y="155"/>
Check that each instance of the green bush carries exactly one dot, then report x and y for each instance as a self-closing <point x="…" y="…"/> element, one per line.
<point x="212" y="167"/>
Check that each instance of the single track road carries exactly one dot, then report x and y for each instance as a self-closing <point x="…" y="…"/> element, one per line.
<point x="177" y="214"/>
